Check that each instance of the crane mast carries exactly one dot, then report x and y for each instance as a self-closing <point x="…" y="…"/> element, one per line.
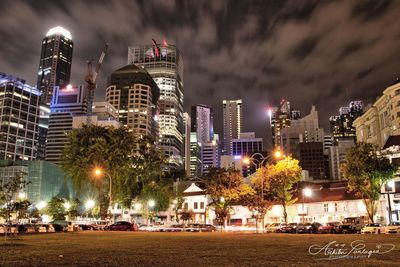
<point x="90" y="79"/>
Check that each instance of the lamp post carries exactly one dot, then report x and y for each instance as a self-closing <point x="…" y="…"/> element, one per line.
<point x="388" y="193"/>
<point x="277" y="154"/>
<point x="151" y="203"/>
<point x="89" y="205"/>
<point x="306" y="193"/>
<point x="99" y="172"/>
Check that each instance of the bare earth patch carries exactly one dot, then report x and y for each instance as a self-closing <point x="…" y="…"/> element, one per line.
<point x="191" y="249"/>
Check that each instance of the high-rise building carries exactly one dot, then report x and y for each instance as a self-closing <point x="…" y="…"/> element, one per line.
<point x="303" y="130"/>
<point x="195" y="156"/>
<point x="342" y="124"/>
<point x="19" y="112"/>
<point x="54" y="70"/>
<point x="280" y="118"/>
<point x="233" y="123"/>
<point x="135" y="96"/>
<point x="55" y="62"/>
<point x="187" y="127"/>
<point x="382" y="119"/>
<point x="313" y="160"/>
<point x="164" y="63"/>
<point x="202" y="123"/>
<point x="247" y="144"/>
<point x="210" y="155"/>
<point x="67" y="102"/>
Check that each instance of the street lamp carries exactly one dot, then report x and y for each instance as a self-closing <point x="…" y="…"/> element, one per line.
<point x="21" y="195"/>
<point x="307" y="192"/>
<point x="67" y="206"/>
<point x="99" y="172"/>
<point x="151" y="203"/>
<point x="89" y="205"/>
<point x="41" y="205"/>
<point x="277" y="154"/>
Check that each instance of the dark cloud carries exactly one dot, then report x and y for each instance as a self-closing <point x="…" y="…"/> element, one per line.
<point x="310" y="52"/>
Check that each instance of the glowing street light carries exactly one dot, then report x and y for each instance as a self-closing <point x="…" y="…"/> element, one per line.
<point x="307" y="192"/>
<point x="391" y="184"/>
<point x="41" y="205"/>
<point x="278" y="154"/>
<point x="151" y="203"/>
<point x="22" y="195"/>
<point x="67" y="205"/>
<point x="246" y="161"/>
<point x="89" y="204"/>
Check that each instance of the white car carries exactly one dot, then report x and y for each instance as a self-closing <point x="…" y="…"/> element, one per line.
<point x="393" y="228"/>
<point x="275" y="227"/>
<point x="373" y="228"/>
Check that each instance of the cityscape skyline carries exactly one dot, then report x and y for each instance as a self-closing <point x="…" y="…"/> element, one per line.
<point x="197" y="30"/>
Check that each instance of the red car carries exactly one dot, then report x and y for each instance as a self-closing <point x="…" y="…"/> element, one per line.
<point x="123" y="226"/>
<point x="330" y="228"/>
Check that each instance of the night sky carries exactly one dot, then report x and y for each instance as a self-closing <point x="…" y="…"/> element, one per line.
<point x="310" y="52"/>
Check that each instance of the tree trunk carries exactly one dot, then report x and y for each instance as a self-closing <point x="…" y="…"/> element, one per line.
<point x="284" y="212"/>
<point x="370" y="207"/>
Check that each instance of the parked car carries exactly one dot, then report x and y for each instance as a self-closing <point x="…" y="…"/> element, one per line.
<point x="329" y="228"/>
<point x="274" y="227"/>
<point x="11" y="229"/>
<point x="352" y="225"/>
<point x="27" y="228"/>
<point x="289" y="228"/>
<point x="207" y="228"/>
<point x="147" y="228"/>
<point x="45" y="228"/>
<point x="393" y="228"/>
<point x="372" y="228"/>
<point x="58" y="227"/>
<point x="123" y="226"/>
<point x="304" y="228"/>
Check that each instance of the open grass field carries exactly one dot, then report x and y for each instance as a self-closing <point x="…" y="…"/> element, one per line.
<point x="188" y="249"/>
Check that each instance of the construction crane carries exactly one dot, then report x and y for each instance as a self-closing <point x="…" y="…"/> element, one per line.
<point x="90" y="79"/>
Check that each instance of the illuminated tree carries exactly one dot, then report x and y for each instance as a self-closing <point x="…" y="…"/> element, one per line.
<point x="366" y="171"/>
<point x="280" y="178"/>
<point x="225" y="188"/>
<point x="258" y="203"/>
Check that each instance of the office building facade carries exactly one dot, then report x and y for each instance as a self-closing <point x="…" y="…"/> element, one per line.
<point x="382" y="119"/>
<point x="55" y="62"/>
<point x="135" y="96"/>
<point x="67" y="102"/>
<point x="342" y="125"/>
<point x="202" y="123"/>
<point x="19" y="114"/>
<point x="165" y="65"/>
<point x="246" y="144"/>
<point x="233" y="123"/>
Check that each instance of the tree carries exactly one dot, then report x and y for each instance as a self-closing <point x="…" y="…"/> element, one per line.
<point x="132" y="162"/>
<point x="8" y="193"/>
<point x="257" y="203"/>
<point x="186" y="215"/>
<point x="280" y="178"/>
<point x="225" y="188"/>
<point x="56" y="208"/>
<point x="366" y="171"/>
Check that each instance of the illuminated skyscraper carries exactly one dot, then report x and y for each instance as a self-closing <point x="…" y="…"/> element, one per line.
<point x="164" y="63"/>
<point x="55" y="62"/>
<point x="19" y="112"/>
<point x="54" y="70"/>
<point x="342" y="124"/>
<point x="279" y="119"/>
<point x="202" y="123"/>
<point x="233" y="123"/>
<point x="134" y="94"/>
<point x="67" y="102"/>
